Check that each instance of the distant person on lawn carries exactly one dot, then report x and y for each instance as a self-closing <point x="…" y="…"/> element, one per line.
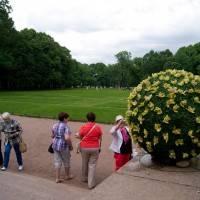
<point x="122" y="143"/>
<point x="12" y="130"/>
<point x="90" y="135"/>
<point x="62" y="145"/>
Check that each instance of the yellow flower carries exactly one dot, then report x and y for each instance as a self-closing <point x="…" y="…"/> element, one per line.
<point x="138" y="96"/>
<point x="141" y="104"/>
<point x="166" y="85"/>
<point x="185" y="155"/>
<point x="149" y="147"/>
<point x="172" y="154"/>
<point x="197" y="91"/>
<point x="148" y="98"/>
<point x="186" y="80"/>
<point x="198" y="119"/>
<point x="181" y="91"/>
<point x="183" y="103"/>
<point x="140" y="119"/>
<point x="171" y="95"/>
<point x="154" y="90"/>
<point x="166" y="78"/>
<point x="174" y="81"/>
<point x="166" y="137"/>
<point x="157" y="127"/>
<point x="193" y="153"/>
<point x="156" y="83"/>
<point x="134" y="103"/>
<point x="151" y="105"/>
<point x="155" y="75"/>
<point x="158" y="110"/>
<point x="194" y="82"/>
<point x="190" y="90"/>
<point x="161" y="95"/>
<point x="161" y="77"/>
<point x="190" y="109"/>
<point x="190" y="133"/>
<point x="166" y="119"/>
<point x="196" y="100"/>
<point x="134" y="137"/>
<point x="181" y="83"/>
<point x="155" y="140"/>
<point x="135" y="128"/>
<point x="145" y="133"/>
<point x="170" y="102"/>
<point x="135" y="111"/>
<point x="175" y="108"/>
<point x="179" y="142"/>
<point x="145" y="111"/>
<point x="172" y="90"/>
<point x="177" y="75"/>
<point x="176" y="131"/>
<point x="195" y="140"/>
<point x="139" y="88"/>
<point x="140" y="139"/>
<point x="147" y="82"/>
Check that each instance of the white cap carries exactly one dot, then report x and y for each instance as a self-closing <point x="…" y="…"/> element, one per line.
<point x="119" y="117"/>
<point x="5" y="115"/>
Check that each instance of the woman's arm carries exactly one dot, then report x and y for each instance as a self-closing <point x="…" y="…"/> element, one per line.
<point x="114" y="129"/>
<point x="52" y="134"/>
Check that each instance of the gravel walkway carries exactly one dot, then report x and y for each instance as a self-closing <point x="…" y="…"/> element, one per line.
<point x="37" y="160"/>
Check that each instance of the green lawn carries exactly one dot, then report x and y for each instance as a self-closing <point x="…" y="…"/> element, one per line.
<point x="106" y="103"/>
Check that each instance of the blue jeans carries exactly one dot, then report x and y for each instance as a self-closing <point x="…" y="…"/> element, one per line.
<point x="8" y="148"/>
<point x="1" y="157"/>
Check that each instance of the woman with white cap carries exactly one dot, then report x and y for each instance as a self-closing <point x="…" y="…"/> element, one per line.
<point x="12" y="130"/>
<point x="121" y="144"/>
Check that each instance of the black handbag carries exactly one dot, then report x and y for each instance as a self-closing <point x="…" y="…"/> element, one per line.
<point x="50" y="149"/>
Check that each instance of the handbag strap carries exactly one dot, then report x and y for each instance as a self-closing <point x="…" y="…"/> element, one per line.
<point x="89" y="131"/>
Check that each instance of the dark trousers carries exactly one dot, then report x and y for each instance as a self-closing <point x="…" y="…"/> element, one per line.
<point x="1" y="157"/>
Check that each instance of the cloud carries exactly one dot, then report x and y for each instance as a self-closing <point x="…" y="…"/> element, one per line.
<point x="95" y="30"/>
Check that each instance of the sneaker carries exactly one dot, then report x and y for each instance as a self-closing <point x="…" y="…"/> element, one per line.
<point x="3" y="169"/>
<point x="21" y="168"/>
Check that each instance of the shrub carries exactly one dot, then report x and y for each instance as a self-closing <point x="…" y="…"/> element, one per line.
<point x="164" y="115"/>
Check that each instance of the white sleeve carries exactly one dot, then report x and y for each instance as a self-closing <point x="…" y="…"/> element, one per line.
<point x="113" y="130"/>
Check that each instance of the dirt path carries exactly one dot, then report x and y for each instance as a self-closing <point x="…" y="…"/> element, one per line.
<point x="38" y="162"/>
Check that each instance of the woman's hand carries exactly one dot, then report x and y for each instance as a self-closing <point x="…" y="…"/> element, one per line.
<point x="77" y="135"/>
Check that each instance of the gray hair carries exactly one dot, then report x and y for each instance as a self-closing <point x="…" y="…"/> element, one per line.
<point x="5" y="115"/>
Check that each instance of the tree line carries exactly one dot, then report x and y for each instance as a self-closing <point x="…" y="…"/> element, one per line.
<point x="33" y="60"/>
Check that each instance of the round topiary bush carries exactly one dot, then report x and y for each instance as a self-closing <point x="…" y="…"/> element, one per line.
<point x="164" y="115"/>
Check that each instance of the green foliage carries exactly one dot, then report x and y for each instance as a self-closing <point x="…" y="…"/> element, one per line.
<point x="33" y="60"/>
<point x="164" y="115"/>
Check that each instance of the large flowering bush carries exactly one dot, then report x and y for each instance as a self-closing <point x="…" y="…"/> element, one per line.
<point x="164" y="115"/>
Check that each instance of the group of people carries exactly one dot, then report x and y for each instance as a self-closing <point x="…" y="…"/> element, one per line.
<point x="89" y="135"/>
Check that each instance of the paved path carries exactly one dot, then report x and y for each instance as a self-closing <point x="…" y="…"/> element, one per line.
<point x="168" y="183"/>
<point x="38" y="162"/>
<point x="15" y="186"/>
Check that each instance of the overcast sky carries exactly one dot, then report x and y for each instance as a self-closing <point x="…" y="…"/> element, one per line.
<point x="96" y="30"/>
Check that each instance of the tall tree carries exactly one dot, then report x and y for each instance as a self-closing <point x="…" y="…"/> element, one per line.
<point x="7" y="43"/>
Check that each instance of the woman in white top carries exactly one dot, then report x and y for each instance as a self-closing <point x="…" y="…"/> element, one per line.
<point x="121" y="144"/>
